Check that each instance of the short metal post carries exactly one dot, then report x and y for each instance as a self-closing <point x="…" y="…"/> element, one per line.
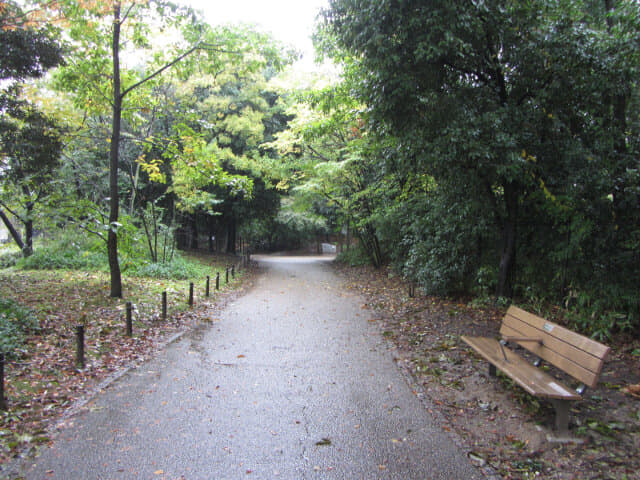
<point x="227" y="275"/>
<point x="129" y="320"/>
<point x="207" y="292"/>
<point x="191" y="294"/>
<point x="492" y="370"/>
<point x="164" y="306"/>
<point x="218" y="281"/>
<point x="233" y="271"/>
<point x="80" y="346"/>
<point x="3" y="402"/>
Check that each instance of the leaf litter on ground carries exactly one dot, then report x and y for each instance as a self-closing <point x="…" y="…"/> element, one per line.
<point x="45" y="381"/>
<point x="498" y="424"/>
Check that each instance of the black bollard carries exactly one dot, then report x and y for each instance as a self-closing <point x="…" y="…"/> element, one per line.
<point x="3" y="402"/>
<point x="218" y="281"/>
<point x="207" y="293"/>
<point x="226" y="277"/>
<point x="164" y="306"/>
<point x="129" y="320"/>
<point x="233" y="271"/>
<point x="80" y="346"/>
<point x="191" y="294"/>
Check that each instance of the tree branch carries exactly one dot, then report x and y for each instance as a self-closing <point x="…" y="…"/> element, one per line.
<point x="14" y="233"/>
<point x="175" y="61"/>
<point x="318" y="154"/>
<point x="6" y="207"/>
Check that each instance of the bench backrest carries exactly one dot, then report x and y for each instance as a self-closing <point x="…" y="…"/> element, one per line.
<point x="575" y="354"/>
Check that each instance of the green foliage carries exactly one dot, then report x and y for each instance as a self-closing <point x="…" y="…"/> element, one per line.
<point x="68" y="251"/>
<point x="524" y="117"/>
<point x="9" y="257"/>
<point x="604" y="313"/>
<point x="177" y="268"/>
<point x="354" y="256"/>
<point x="72" y="251"/>
<point x="15" y="323"/>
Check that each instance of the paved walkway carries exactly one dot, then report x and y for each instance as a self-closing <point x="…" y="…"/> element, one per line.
<point x="292" y="383"/>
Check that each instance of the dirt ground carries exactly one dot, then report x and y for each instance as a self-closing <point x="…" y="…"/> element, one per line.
<point x="501" y="426"/>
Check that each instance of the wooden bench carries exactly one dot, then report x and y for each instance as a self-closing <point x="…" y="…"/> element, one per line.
<point x="578" y="356"/>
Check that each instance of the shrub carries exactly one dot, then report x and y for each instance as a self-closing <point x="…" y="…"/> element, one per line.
<point x="16" y="322"/>
<point x="67" y="251"/>
<point x="355" y="256"/>
<point x="9" y="258"/>
<point x="177" y="269"/>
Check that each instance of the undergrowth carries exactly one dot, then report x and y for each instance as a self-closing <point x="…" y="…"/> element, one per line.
<point x="16" y="322"/>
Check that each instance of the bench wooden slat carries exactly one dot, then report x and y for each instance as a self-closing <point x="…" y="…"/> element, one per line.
<point x="514" y="327"/>
<point x="586" y="344"/>
<point x="584" y="375"/>
<point x="576" y="354"/>
<point x="529" y="377"/>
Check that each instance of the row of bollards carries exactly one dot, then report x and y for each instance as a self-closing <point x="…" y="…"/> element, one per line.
<point x="129" y="314"/>
<point x="80" y="329"/>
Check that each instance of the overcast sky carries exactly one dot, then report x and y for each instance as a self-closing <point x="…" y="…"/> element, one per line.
<point x="290" y="21"/>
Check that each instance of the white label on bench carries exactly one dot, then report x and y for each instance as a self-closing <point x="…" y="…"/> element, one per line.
<point x="559" y="389"/>
<point x="548" y="327"/>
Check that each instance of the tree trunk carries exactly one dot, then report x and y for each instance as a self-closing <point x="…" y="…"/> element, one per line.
<point x="509" y="232"/>
<point x="619" y="102"/>
<point x="114" y="203"/>
<point x="194" y="232"/>
<point x="370" y="243"/>
<point x="231" y="236"/>
<point x="211" y="233"/>
<point x="15" y="234"/>
<point x="28" y="231"/>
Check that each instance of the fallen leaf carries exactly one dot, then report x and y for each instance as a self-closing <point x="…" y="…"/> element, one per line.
<point x="633" y="390"/>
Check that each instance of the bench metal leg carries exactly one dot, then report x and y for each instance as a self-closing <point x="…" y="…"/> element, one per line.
<point x="562" y="416"/>
<point x="492" y="370"/>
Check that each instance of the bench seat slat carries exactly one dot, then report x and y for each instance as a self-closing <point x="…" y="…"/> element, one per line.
<point x="529" y="377"/>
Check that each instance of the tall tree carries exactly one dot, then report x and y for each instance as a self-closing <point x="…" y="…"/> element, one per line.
<point x="101" y="33"/>
<point x="29" y="142"/>
<point x="496" y="94"/>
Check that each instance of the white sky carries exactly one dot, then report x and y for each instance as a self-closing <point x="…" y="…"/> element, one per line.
<point x="290" y="21"/>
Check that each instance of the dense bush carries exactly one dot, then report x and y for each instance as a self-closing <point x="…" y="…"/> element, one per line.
<point x="15" y="323"/>
<point x="178" y="268"/>
<point x="8" y="258"/>
<point x="67" y="251"/>
<point x="355" y="256"/>
<point x="73" y="251"/>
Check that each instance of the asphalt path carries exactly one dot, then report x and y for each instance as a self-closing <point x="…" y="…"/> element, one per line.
<point x="292" y="381"/>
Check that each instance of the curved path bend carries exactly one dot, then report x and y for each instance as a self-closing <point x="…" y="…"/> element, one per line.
<point x="292" y="383"/>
